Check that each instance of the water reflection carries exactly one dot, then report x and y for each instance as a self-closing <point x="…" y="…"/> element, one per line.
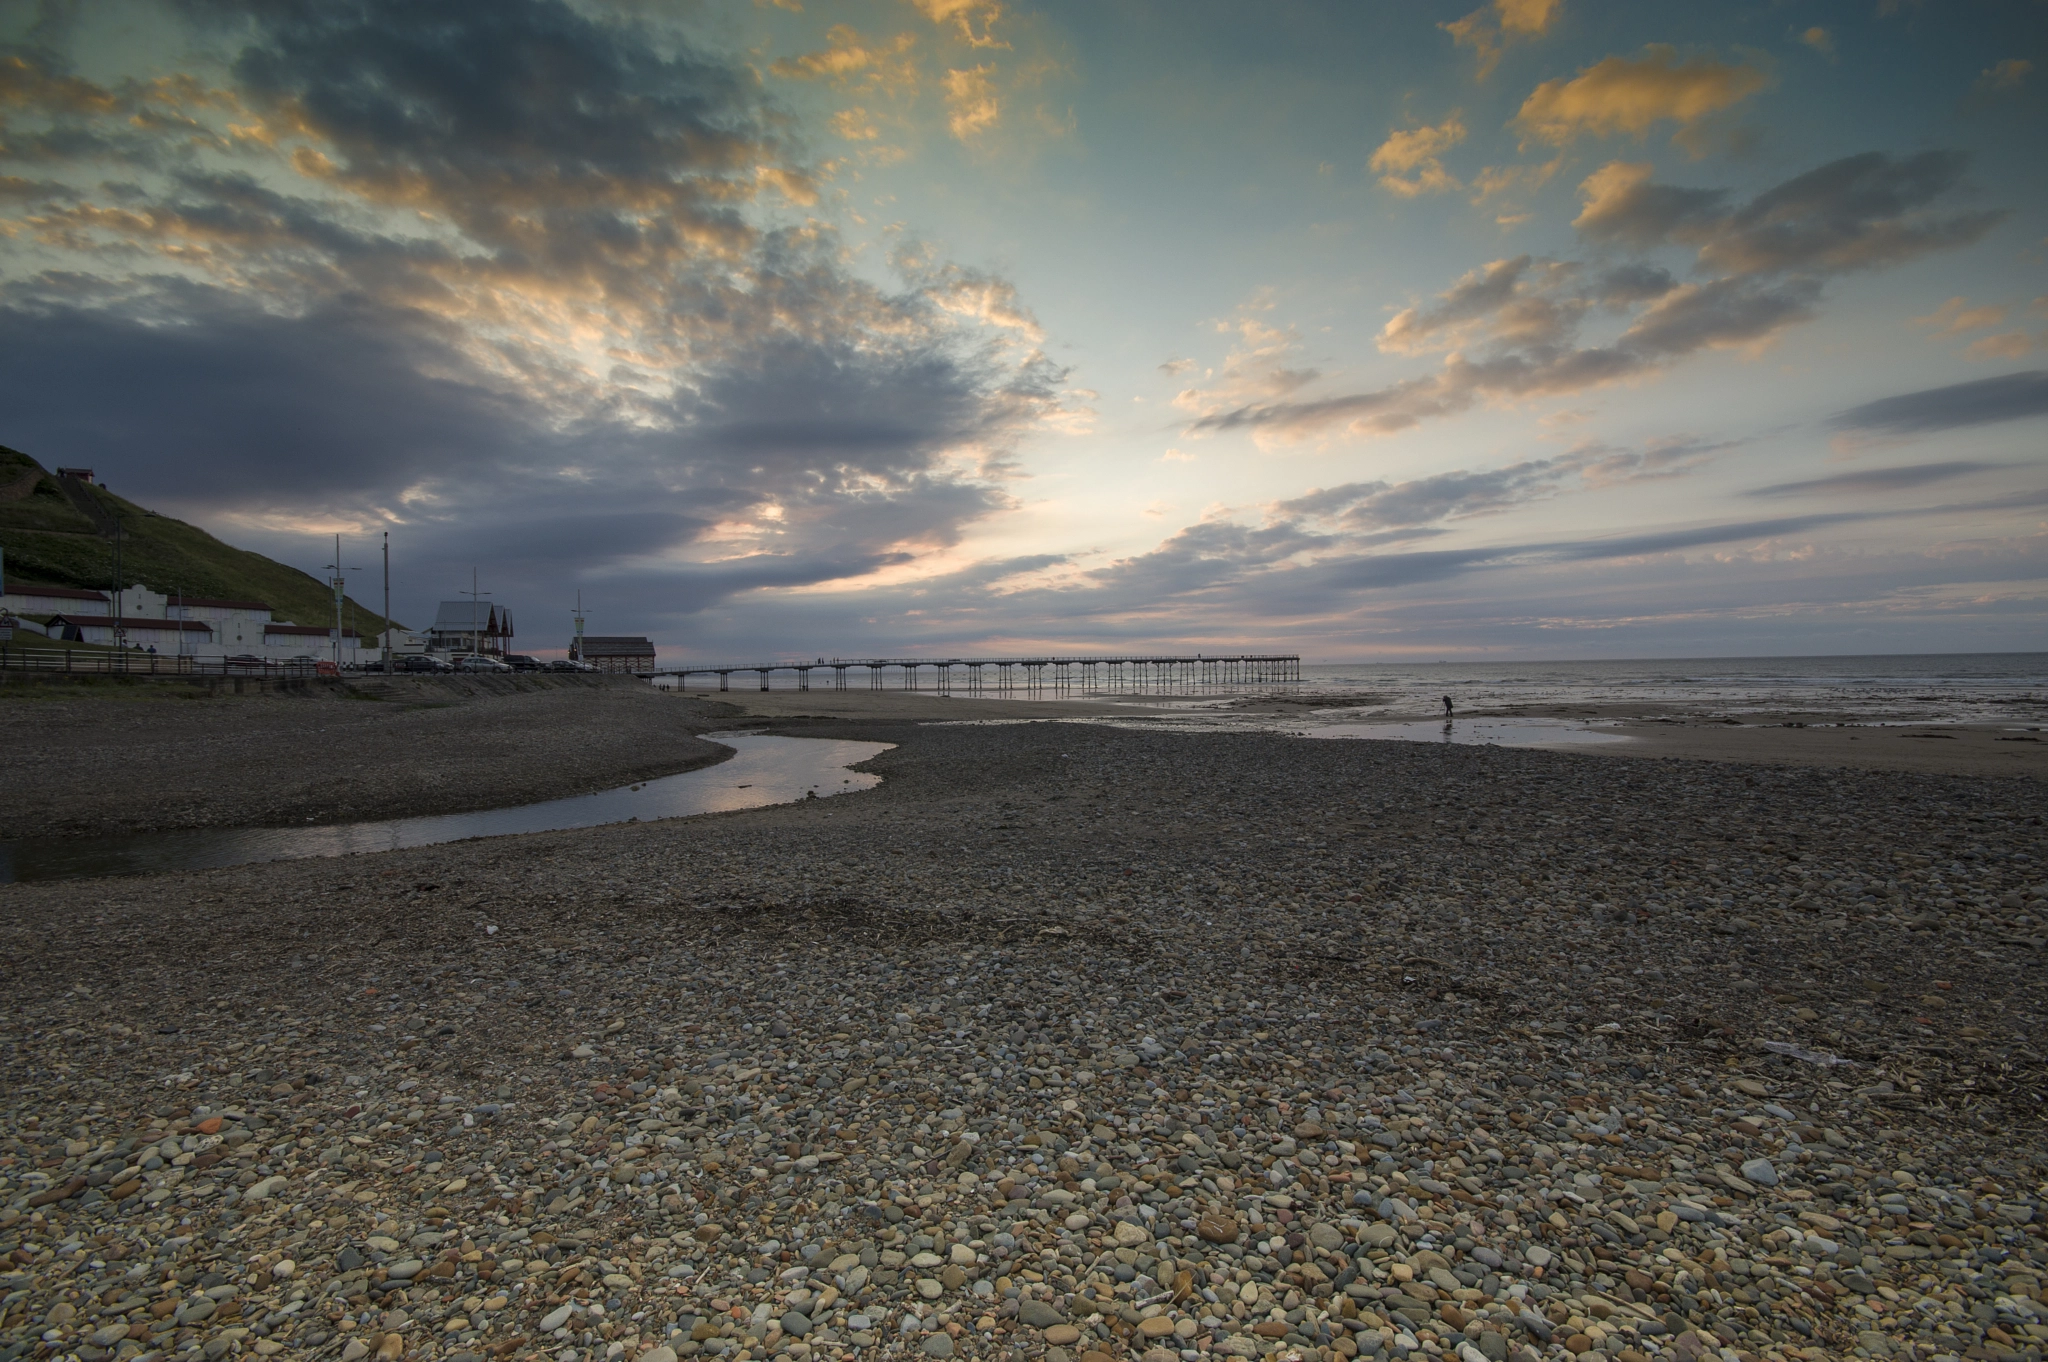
<point x="1481" y="732"/>
<point x="763" y="770"/>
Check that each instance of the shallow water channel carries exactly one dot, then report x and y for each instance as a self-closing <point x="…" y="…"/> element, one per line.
<point x="1479" y="732"/>
<point x="763" y="770"/>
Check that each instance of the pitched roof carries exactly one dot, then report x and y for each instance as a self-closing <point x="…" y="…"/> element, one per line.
<point x="68" y="593"/>
<point x="460" y="617"/>
<point x="616" y="645"/>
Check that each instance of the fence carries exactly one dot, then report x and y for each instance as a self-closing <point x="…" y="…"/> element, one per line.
<point x="129" y="662"/>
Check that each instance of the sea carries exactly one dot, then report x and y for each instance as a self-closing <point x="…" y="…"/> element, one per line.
<point x="1918" y="688"/>
<point x="1902" y="688"/>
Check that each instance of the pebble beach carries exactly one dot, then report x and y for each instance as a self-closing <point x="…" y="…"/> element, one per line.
<point x="1070" y="1043"/>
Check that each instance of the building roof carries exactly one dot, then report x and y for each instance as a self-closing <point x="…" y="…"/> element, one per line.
<point x="305" y="630"/>
<point x="616" y="645"/>
<point x="68" y="593"/>
<point x="456" y="617"/>
<point x="139" y="622"/>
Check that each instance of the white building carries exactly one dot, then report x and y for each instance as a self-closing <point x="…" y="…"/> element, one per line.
<point x="178" y="626"/>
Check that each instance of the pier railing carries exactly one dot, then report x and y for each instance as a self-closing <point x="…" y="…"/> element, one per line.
<point x="1133" y="675"/>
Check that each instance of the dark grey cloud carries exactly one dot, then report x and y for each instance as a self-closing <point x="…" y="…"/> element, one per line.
<point x="384" y="305"/>
<point x="1860" y="212"/>
<point x="1511" y="329"/>
<point x="2008" y="397"/>
<point x="1641" y="215"/>
<point x="1873" y="480"/>
<point x="1724" y="312"/>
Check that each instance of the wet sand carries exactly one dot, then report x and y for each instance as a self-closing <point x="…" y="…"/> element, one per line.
<point x="1656" y="731"/>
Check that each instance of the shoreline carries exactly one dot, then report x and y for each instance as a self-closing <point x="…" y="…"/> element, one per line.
<point x="1822" y="738"/>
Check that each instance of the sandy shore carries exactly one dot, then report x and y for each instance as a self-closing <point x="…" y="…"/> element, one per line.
<point x="1065" y="1041"/>
<point x="150" y="756"/>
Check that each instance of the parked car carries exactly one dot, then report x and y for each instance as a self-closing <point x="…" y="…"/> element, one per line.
<point x="420" y="662"/>
<point x="521" y="662"/>
<point x="476" y="662"/>
<point x="570" y="664"/>
<point x="245" y="661"/>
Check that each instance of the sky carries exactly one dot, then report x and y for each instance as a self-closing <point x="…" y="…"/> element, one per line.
<point x="783" y="328"/>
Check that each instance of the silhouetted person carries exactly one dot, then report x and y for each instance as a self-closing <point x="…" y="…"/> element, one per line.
<point x="1447" y="707"/>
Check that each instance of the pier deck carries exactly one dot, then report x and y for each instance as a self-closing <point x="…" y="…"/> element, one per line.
<point x="1129" y="675"/>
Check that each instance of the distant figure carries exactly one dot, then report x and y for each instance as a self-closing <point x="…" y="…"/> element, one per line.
<point x="1447" y="707"/>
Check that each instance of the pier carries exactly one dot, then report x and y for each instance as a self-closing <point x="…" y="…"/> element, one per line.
<point x="1134" y="675"/>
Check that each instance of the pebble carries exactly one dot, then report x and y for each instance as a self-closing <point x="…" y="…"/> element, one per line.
<point x="1138" y="1072"/>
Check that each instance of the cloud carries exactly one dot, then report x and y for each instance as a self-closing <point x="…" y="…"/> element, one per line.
<point x="2006" y="345"/>
<point x="1956" y="316"/>
<point x="1720" y="314"/>
<point x="847" y="55"/>
<point x="1408" y="164"/>
<point x="971" y="104"/>
<point x="2009" y="397"/>
<point x="962" y="15"/>
<point x="504" y="274"/>
<point x="1510" y="330"/>
<point x="1819" y="39"/>
<point x="2009" y="74"/>
<point x="1622" y="95"/>
<point x="1174" y="368"/>
<point x="1861" y="212"/>
<point x="1873" y="480"/>
<point x="1372" y="506"/>
<point x="1623" y="207"/>
<point x="1490" y="28"/>
<point x="855" y="125"/>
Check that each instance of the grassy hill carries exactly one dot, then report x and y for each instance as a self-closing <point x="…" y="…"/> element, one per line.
<point x="60" y="533"/>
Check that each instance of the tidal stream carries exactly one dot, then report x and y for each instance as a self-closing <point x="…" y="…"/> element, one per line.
<point x="763" y="770"/>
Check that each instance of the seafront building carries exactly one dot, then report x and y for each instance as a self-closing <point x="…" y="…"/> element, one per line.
<point x="471" y="627"/>
<point x="176" y="626"/>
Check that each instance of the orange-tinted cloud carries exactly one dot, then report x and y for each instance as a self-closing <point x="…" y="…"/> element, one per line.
<point x="1956" y="316"/>
<point x="1819" y="39"/>
<point x="971" y="104"/>
<point x="2009" y="74"/>
<point x="847" y="57"/>
<point x="1490" y="28"/>
<point x="1633" y="95"/>
<point x="2009" y="345"/>
<point x="961" y="16"/>
<point x="1408" y="161"/>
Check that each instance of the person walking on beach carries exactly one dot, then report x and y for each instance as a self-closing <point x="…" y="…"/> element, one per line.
<point x="1447" y="707"/>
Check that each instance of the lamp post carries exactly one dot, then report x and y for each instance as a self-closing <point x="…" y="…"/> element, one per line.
<point x="475" y="600"/>
<point x="337" y="582"/>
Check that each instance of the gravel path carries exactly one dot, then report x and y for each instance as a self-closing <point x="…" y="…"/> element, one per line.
<point x="151" y="757"/>
<point x="1067" y="1043"/>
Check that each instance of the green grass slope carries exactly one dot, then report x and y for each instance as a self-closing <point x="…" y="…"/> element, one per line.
<point x="48" y="539"/>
